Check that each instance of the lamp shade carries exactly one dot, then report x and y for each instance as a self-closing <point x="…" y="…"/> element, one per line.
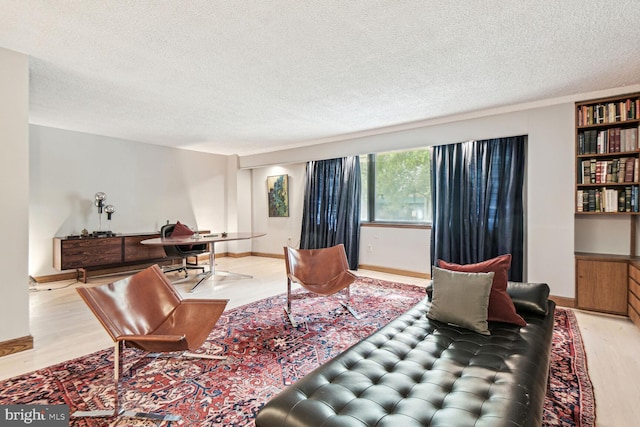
<point x="110" y="210"/>
<point x="100" y="198"/>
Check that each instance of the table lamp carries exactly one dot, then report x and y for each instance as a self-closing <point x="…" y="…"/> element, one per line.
<point x="100" y="198"/>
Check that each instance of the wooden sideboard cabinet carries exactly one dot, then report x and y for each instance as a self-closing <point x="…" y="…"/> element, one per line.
<point x="602" y="283"/>
<point x="634" y="291"/>
<point x="91" y="253"/>
<point x="135" y="251"/>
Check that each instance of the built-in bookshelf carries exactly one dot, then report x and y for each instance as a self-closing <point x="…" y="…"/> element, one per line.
<point x="607" y="183"/>
<point x="608" y="156"/>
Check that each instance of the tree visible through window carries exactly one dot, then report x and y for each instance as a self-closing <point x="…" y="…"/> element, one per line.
<point x="399" y="187"/>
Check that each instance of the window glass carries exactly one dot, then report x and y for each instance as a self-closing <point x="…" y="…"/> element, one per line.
<point x="402" y="190"/>
<point x="401" y="182"/>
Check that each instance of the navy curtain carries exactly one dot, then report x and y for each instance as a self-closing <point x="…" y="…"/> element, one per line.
<point x="331" y="211"/>
<point x="477" y="193"/>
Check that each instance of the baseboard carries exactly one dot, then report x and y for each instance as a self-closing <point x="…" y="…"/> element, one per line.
<point x="395" y="271"/>
<point x="563" y="301"/>
<point x="266" y="255"/>
<point x="236" y="255"/>
<point x="16" y="345"/>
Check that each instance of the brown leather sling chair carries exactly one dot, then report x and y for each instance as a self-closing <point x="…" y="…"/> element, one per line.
<point x="145" y="311"/>
<point x="322" y="272"/>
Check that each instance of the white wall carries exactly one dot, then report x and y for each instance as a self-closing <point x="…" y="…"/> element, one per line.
<point x="379" y="246"/>
<point x="238" y="207"/>
<point x="14" y="192"/>
<point x="282" y="230"/>
<point x="550" y="187"/>
<point x="148" y="185"/>
<point x="594" y="234"/>
<point x="383" y="241"/>
<point x="550" y="198"/>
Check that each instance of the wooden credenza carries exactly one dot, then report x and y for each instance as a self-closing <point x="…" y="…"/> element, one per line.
<point x="91" y="253"/>
<point x="609" y="283"/>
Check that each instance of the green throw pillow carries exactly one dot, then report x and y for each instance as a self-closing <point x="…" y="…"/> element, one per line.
<point x="461" y="299"/>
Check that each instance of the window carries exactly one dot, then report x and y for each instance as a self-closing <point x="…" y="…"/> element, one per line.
<point x="396" y="187"/>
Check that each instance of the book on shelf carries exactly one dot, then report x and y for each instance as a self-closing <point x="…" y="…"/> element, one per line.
<point x="608" y="155"/>
<point x="610" y="112"/>
<point x="588" y="142"/>
<point x="621" y="200"/>
<point x="591" y="200"/>
<point x="629" y="170"/>
<point x="602" y="142"/>
<point x="585" y="201"/>
<point x="627" y="199"/>
<point x="614" y="171"/>
<point x="611" y="197"/>
<point x="622" y="169"/>
<point x="612" y="140"/>
<point x="608" y="200"/>
<point x="579" y="201"/>
<point x="584" y="174"/>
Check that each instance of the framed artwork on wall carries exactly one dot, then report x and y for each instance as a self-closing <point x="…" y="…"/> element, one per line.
<point x="278" y="195"/>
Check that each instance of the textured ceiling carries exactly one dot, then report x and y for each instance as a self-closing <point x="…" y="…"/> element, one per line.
<point x="242" y="77"/>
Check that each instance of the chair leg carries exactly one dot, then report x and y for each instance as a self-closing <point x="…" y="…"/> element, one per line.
<point x="117" y="373"/>
<point x="117" y="370"/>
<point x="184" y="267"/>
<point x="204" y="356"/>
<point x="347" y="304"/>
<point x="287" y="308"/>
<point x="187" y="354"/>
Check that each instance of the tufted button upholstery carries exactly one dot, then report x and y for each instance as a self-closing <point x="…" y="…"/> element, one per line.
<point x="420" y="372"/>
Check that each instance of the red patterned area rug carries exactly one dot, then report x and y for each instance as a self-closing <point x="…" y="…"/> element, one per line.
<point x="265" y="354"/>
<point x="570" y="400"/>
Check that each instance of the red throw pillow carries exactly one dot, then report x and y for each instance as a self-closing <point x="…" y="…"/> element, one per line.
<point x="501" y="308"/>
<point x="181" y="230"/>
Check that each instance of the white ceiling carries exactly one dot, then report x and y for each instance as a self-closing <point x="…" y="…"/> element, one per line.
<point x="243" y="77"/>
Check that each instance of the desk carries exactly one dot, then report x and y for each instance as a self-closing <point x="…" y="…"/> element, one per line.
<point x="210" y="240"/>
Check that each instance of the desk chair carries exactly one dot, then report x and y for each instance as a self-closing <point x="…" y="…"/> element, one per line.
<point x="145" y="311"/>
<point x="181" y="251"/>
<point x="322" y="272"/>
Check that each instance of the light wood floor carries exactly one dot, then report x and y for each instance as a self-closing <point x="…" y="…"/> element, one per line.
<point x="63" y="328"/>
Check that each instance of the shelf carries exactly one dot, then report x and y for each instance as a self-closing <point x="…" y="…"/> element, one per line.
<point x="624" y="124"/>
<point x="607" y="213"/>
<point x="607" y="151"/>
<point x="608" y="112"/>
<point x="608" y="184"/>
<point x="609" y="155"/>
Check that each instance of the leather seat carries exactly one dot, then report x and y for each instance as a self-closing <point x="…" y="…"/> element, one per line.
<point x="322" y="272"/>
<point x="145" y="311"/>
